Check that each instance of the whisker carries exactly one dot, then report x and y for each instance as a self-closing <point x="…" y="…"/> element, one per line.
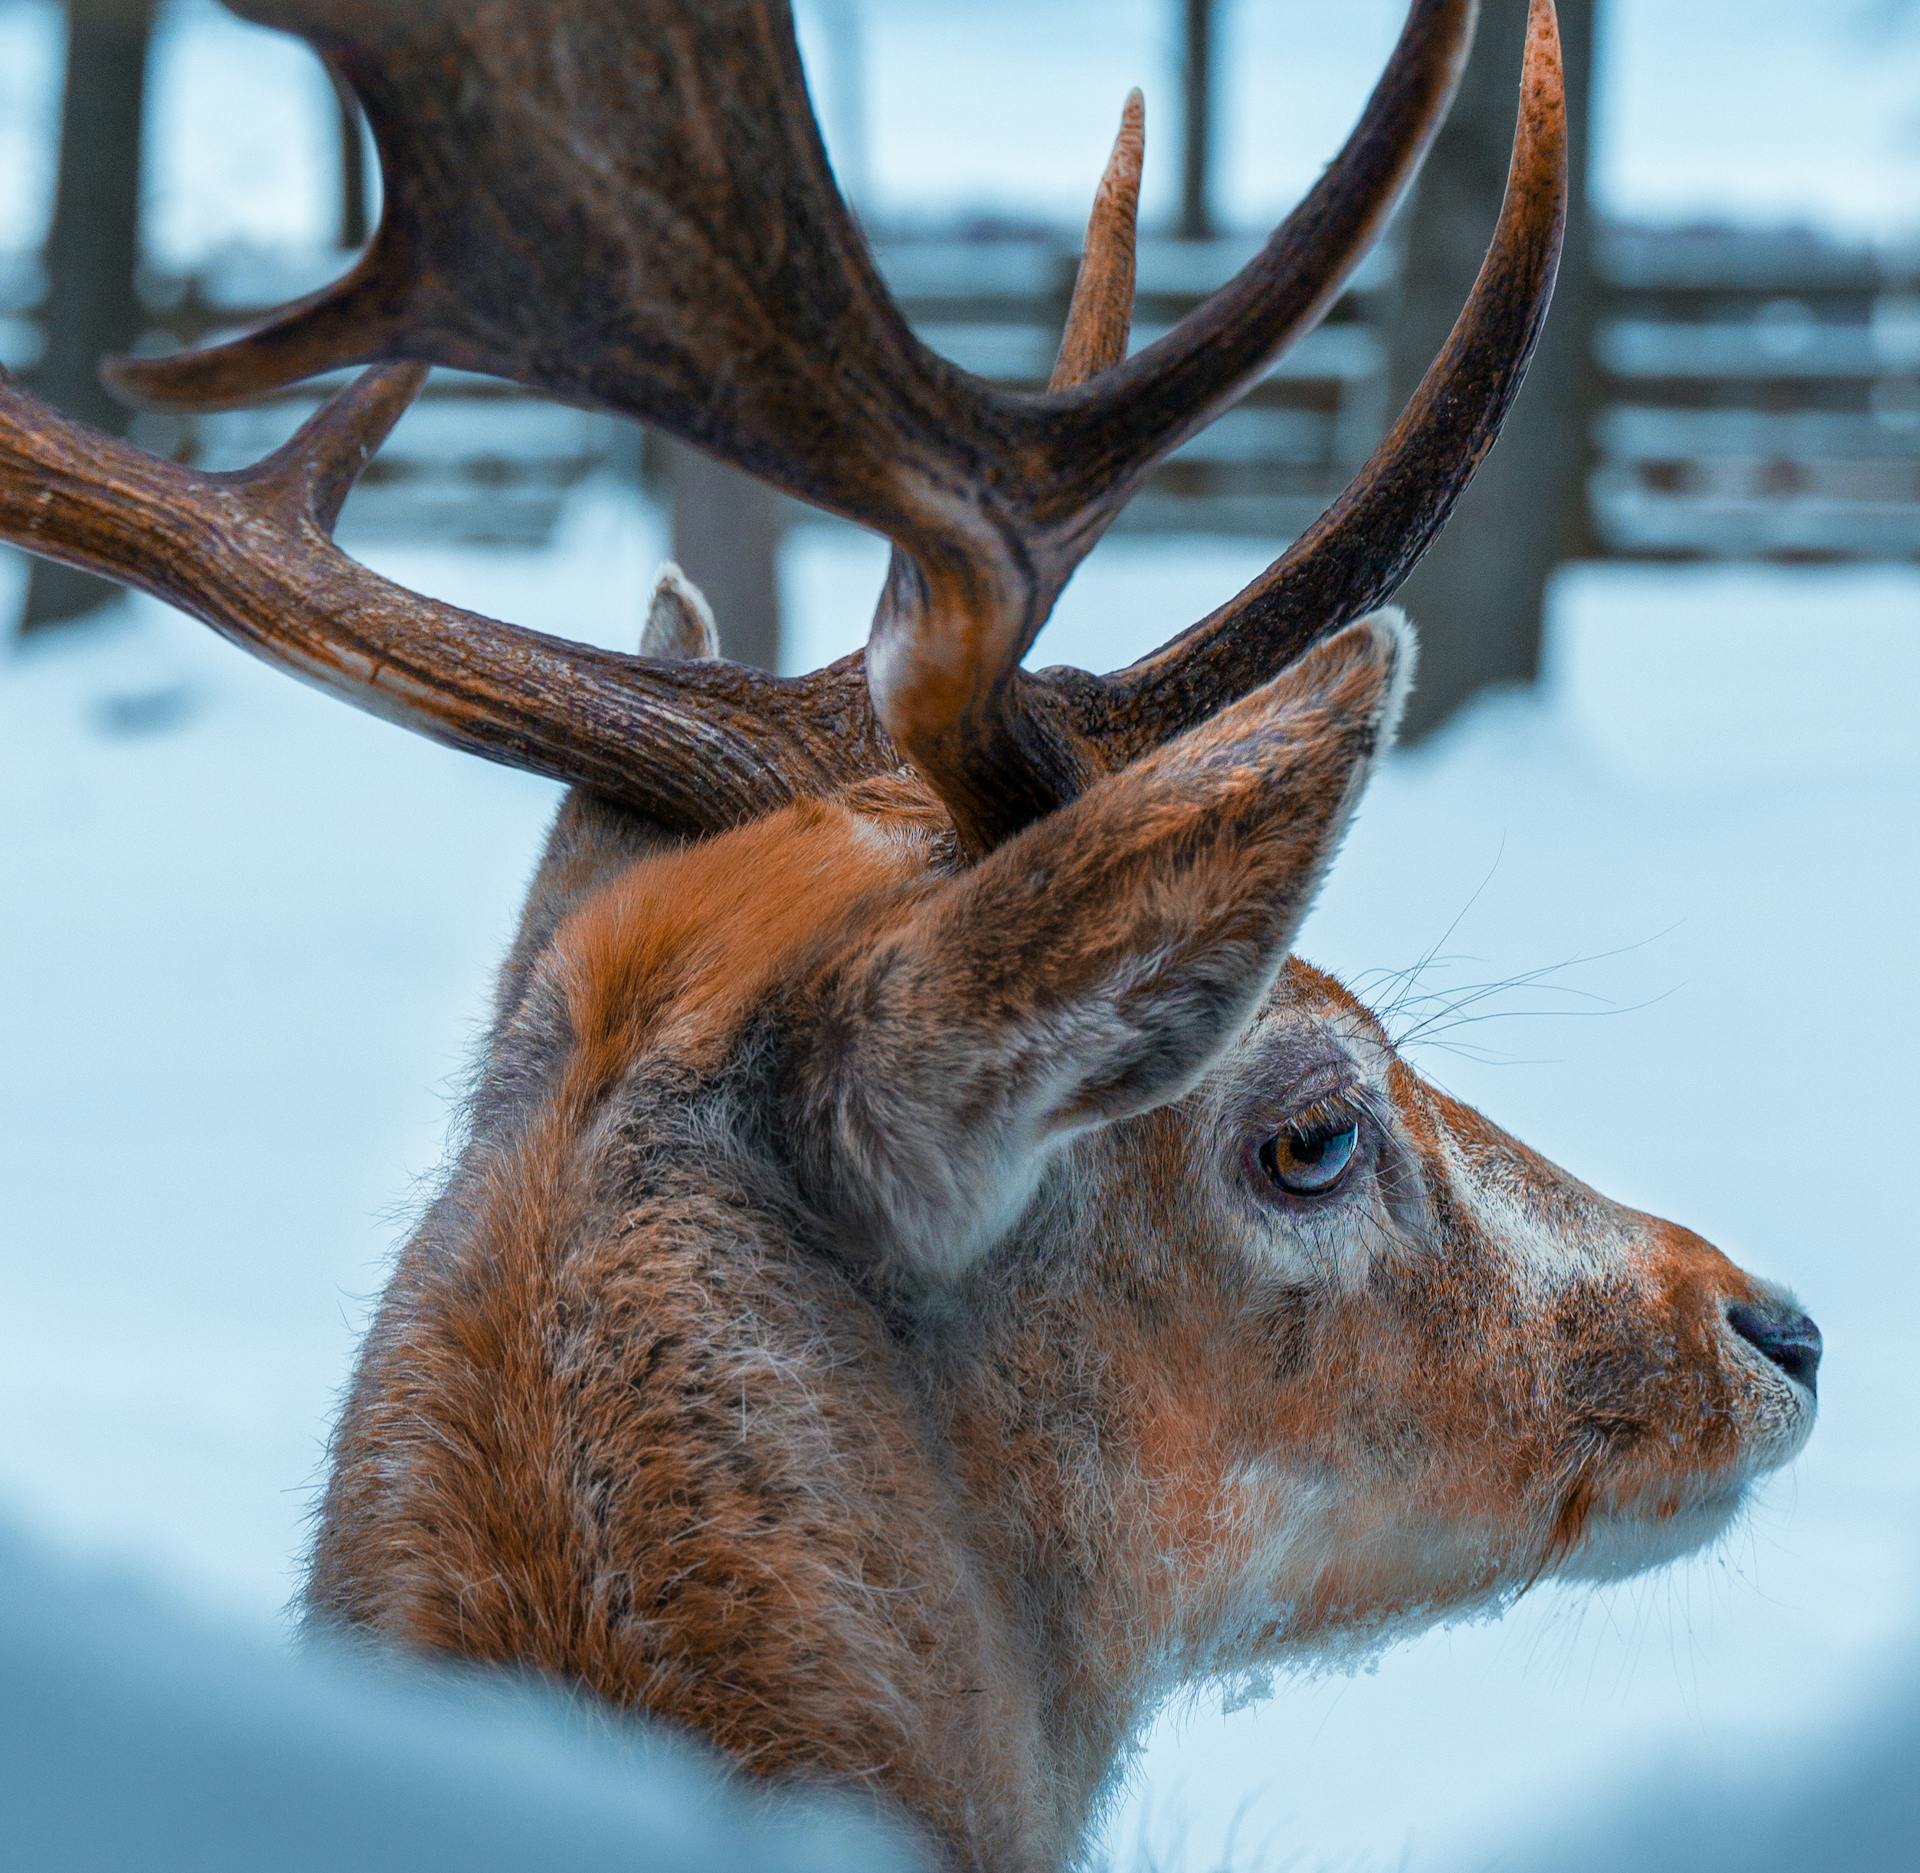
<point x="1433" y="950"/>
<point x="1440" y="1011"/>
<point x="1542" y="1014"/>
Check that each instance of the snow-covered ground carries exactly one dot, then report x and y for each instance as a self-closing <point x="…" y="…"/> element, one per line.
<point x="247" y="935"/>
<point x="136" y="1736"/>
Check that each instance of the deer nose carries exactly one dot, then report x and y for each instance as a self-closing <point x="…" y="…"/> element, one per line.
<point x="1786" y="1335"/>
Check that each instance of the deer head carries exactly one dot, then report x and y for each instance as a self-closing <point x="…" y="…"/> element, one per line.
<point x="925" y="1271"/>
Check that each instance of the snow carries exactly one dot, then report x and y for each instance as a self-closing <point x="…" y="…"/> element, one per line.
<point x="1851" y="1800"/>
<point x="248" y="937"/>
<point x="136" y="1737"/>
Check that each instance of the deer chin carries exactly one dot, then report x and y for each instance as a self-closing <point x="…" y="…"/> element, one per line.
<point x="1652" y="1510"/>
<point x="1349" y="1585"/>
<point x="1615" y="1545"/>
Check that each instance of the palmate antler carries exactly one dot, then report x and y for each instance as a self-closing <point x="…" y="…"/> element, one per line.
<point x="626" y="203"/>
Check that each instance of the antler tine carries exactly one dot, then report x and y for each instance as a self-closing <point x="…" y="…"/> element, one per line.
<point x="694" y="746"/>
<point x="961" y="718"/>
<point x="1101" y="314"/>
<point x="1103" y="440"/>
<point x="626" y="203"/>
<point x="943" y="661"/>
<point x="308" y="478"/>
<point x="944" y="658"/>
<point x="347" y="323"/>
<point x="1358" y="553"/>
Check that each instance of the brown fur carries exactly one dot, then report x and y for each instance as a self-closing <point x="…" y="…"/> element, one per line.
<point x="855" y="1330"/>
<point x="856" y="1326"/>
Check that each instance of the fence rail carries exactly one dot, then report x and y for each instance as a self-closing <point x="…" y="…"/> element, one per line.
<point x="1759" y="393"/>
<point x="1761" y="398"/>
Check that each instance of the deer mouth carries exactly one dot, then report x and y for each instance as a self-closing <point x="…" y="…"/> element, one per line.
<point x="1774" y="1349"/>
<point x="1646" y="1492"/>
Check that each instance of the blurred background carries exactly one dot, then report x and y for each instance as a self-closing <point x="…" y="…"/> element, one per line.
<point x="1646" y="867"/>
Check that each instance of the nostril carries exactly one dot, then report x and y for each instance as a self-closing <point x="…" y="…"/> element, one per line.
<point x="1784" y="1334"/>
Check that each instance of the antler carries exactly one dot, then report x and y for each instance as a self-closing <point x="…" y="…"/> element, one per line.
<point x="252" y="554"/>
<point x="1360" y="550"/>
<point x="1101" y="315"/>
<point x="626" y="203"/>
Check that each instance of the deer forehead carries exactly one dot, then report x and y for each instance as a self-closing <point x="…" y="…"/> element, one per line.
<point x="1454" y="1198"/>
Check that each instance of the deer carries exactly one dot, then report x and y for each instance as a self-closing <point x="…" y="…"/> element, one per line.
<point x="925" y="1271"/>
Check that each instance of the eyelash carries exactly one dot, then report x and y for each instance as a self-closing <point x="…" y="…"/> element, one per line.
<point x="1293" y="1160"/>
<point x="1328" y="1113"/>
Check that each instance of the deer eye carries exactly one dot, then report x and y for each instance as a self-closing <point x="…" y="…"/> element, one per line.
<point x="1313" y="1154"/>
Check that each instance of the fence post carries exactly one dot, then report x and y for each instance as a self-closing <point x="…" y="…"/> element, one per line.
<point x="1479" y="596"/>
<point x="92" y="254"/>
<point x="1196" y="129"/>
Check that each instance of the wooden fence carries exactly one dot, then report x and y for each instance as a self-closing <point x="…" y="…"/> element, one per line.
<point x="1761" y="399"/>
<point x="1760" y="394"/>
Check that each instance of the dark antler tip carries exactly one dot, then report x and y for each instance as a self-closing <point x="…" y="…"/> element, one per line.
<point x="1367" y="542"/>
<point x="130" y="379"/>
<point x="1540" y="144"/>
<point x="182" y="380"/>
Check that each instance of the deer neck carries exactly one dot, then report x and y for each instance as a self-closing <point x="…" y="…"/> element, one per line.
<point x="1084" y="1499"/>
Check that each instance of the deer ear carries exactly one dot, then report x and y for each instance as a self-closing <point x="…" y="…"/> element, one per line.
<point x="679" y="624"/>
<point x="1092" y="967"/>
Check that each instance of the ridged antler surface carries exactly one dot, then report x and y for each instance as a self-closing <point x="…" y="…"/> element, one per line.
<point x="626" y="203"/>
